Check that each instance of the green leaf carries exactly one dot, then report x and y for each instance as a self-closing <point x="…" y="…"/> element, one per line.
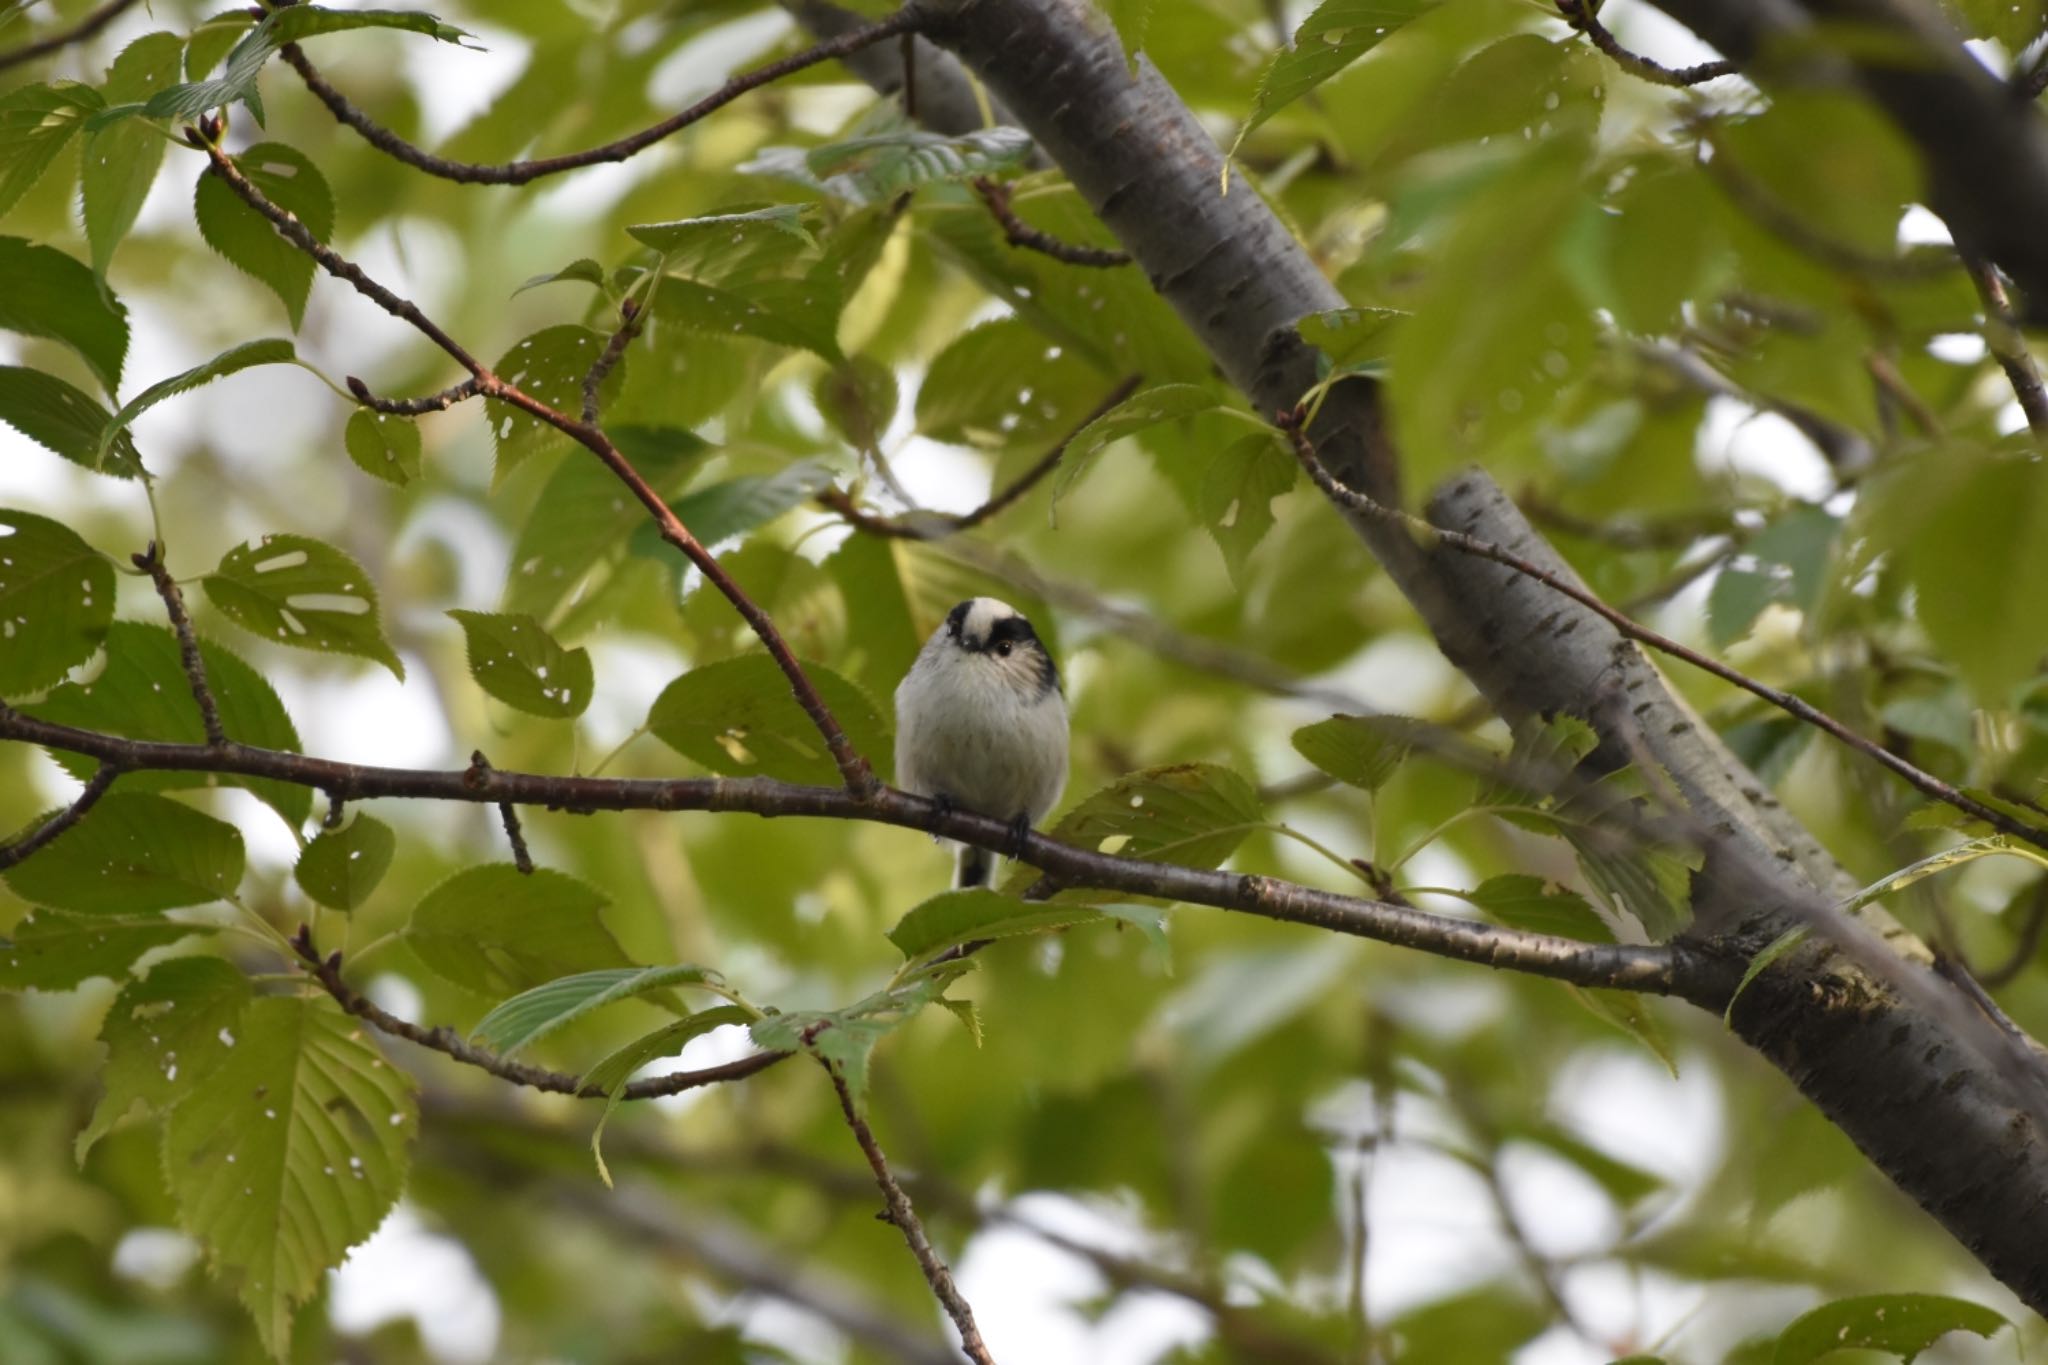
<point x="582" y="270"/>
<point x="738" y="717"/>
<point x="246" y="238"/>
<point x="719" y="246"/>
<point x="1651" y="882"/>
<point x="1771" y="952"/>
<point x="1361" y="751"/>
<point x="514" y="659"/>
<point x="1235" y="498"/>
<point x="801" y="313"/>
<point x="35" y="123"/>
<point x="845" y="1038"/>
<point x="1786" y="563"/>
<point x="268" y="351"/>
<point x="1336" y="34"/>
<point x="719" y="511"/>
<point x="965" y="916"/>
<point x="498" y="931"/>
<point x="1902" y="1324"/>
<point x="1941" y="862"/>
<point x="991" y="384"/>
<point x="859" y="399"/>
<point x="1630" y="1013"/>
<point x="50" y="295"/>
<point x="54" y="951"/>
<point x="237" y="80"/>
<point x="58" y="417"/>
<point x="164" y="1035"/>
<point x="1147" y="408"/>
<point x="292" y="1154"/>
<point x="121" y="161"/>
<point x="532" y="1015"/>
<point x="142" y="693"/>
<point x="550" y="366"/>
<point x="56" y="601"/>
<point x="383" y="445"/>
<point x="214" y="39"/>
<point x="1192" y="814"/>
<point x="295" y="590"/>
<point x="341" y="867"/>
<point x="582" y="515"/>
<point x="1132" y="18"/>
<point x="866" y="170"/>
<point x="1521" y="901"/>
<point x="1352" y="340"/>
<point x="615" y="1072"/>
<point x="133" y="853"/>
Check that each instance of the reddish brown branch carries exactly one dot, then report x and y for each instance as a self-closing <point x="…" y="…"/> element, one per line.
<point x="77" y="33"/>
<point x="906" y="20"/>
<point x="1582" y="17"/>
<point x="1921" y="781"/>
<point x="614" y="351"/>
<point x="905" y="1218"/>
<point x="1021" y="234"/>
<point x="102" y="778"/>
<point x="151" y="562"/>
<point x="327" y="972"/>
<point x="413" y="407"/>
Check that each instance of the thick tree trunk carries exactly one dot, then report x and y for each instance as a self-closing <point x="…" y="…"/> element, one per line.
<point x="1935" y="1095"/>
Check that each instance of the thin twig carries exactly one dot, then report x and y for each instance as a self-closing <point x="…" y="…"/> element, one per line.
<point x="327" y="972"/>
<point x="413" y="407"/>
<point x="630" y="322"/>
<point x="1021" y="234"/>
<point x="1694" y="971"/>
<point x="926" y="525"/>
<point x="906" y="1221"/>
<point x="508" y="814"/>
<point x="1674" y="532"/>
<point x="1894" y="386"/>
<point x="77" y="33"/>
<point x="853" y="768"/>
<point x="1924" y="782"/>
<point x="904" y="21"/>
<point x="151" y="562"/>
<point x="909" y="49"/>
<point x="1581" y="16"/>
<point x="2003" y="339"/>
<point x="102" y="778"/>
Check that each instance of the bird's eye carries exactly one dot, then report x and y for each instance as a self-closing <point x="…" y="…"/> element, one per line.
<point x="1004" y="649"/>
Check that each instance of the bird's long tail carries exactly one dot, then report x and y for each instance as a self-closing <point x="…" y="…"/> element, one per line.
<point x="975" y="865"/>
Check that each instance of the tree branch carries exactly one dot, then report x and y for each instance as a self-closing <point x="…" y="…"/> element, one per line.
<point x="853" y="768"/>
<point x="77" y="33"/>
<point x="151" y="562"/>
<point x="413" y="407"/>
<point x="630" y="322"/>
<point x="1021" y="234"/>
<point x="1688" y="971"/>
<point x="1581" y="16"/>
<point x="2002" y="338"/>
<point x="102" y="778"/>
<point x="906" y="20"/>
<point x="904" y="1217"/>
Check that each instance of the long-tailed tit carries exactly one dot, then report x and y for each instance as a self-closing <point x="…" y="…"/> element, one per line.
<point x="981" y="723"/>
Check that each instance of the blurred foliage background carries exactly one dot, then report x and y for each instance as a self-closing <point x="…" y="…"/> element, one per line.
<point x="1194" y="1143"/>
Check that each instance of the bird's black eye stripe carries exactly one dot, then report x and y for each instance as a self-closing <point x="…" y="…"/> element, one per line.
<point x="956" y="619"/>
<point x="1011" y="630"/>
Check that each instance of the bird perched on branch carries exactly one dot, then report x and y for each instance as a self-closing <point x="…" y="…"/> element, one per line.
<point x="981" y="723"/>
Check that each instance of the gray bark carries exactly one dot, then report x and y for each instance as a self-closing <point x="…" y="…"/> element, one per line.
<point x="1927" y="1086"/>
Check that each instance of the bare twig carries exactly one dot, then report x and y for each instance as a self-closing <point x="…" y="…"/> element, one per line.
<point x="102" y="778"/>
<point x="853" y="768"/>
<point x="904" y="21"/>
<point x="630" y="322"/>
<point x="925" y="525"/>
<point x="2003" y="339"/>
<point x="1924" y="782"/>
<point x="1021" y="234"/>
<point x="1580" y="15"/>
<point x="508" y="815"/>
<point x="1893" y="386"/>
<point x="327" y="972"/>
<point x="77" y="33"/>
<point x="905" y="1218"/>
<point x="151" y="562"/>
<point x="413" y="407"/>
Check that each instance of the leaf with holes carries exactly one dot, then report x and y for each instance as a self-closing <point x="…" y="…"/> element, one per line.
<point x="611" y="1075"/>
<point x="498" y="931"/>
<point x="730" y="246"/>
<point x="1903" y="1325"/>
<point x="1192" y="814"/>
<point x="515" y="660"/>
<point x="133" y="853"/>
<point x="142" y="693"/>
<point x="49" y="294"/>
<point x="1335" y="35"/>
<point x="59" y="418"/>
<point x="343" y="866"/>
<point x="956" y="917"/>
<point x="121" y="161"/>
<point x="35" y="123"/>
<point x="56" y="601"/>
<point x="999" y="384"/>
<point x="164" y="1035"/>
<point x="268" y="351"/>
<point x="383" y="445"/>
<point x="292" y="1154"/>
<point x="738" y="717"/>
<point x="532" y="1015"/>
<point x="246" y="238"/>
<point x="549" y="367"/>
<point x="1360" y="751"/>
<point x="294" y="590"/>
<point x="54" y="950"/>
<point x="802" y="313"/>
<point x="845" y="1038"/>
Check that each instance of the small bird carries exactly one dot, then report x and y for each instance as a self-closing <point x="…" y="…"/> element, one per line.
<point x="981" y="723"/>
